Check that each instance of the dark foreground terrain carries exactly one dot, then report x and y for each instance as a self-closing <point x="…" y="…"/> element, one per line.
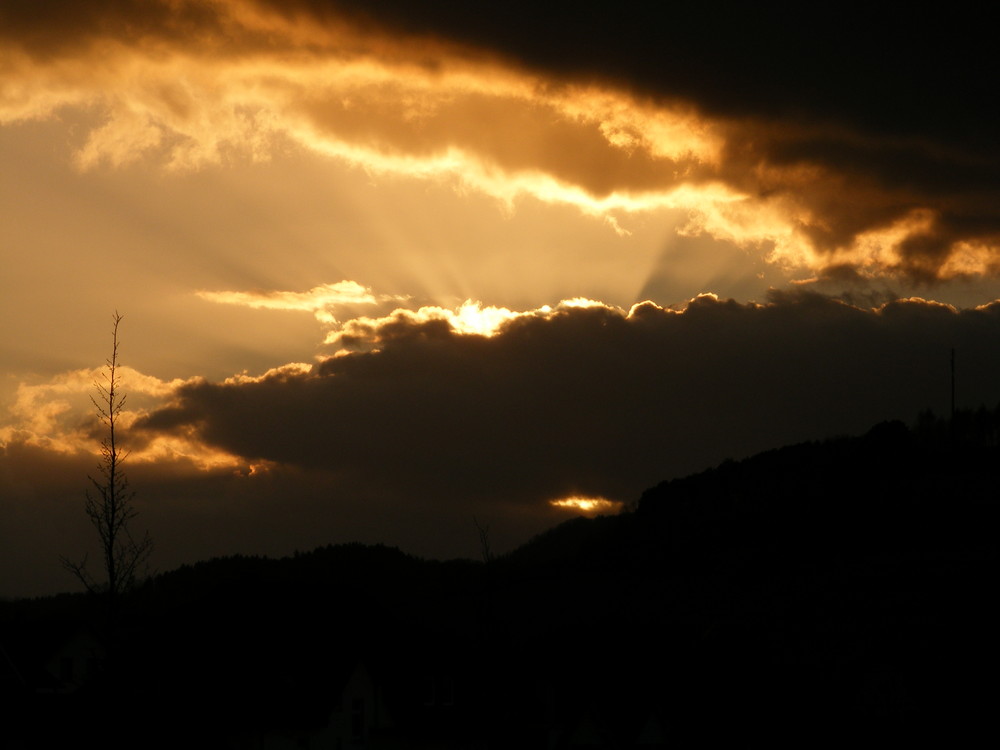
<point x="820" y="593"/>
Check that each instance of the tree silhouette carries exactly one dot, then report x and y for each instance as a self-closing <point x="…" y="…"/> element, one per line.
<point x="484" y="540"/>
<point x="109" y="502"/>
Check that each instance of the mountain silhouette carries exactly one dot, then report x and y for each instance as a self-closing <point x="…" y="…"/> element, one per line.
<point x="813" y="591"/>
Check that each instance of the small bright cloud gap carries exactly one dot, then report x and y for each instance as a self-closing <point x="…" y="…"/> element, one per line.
<point x="586" y="505"/>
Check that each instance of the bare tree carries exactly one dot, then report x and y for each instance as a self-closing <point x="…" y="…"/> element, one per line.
<point x="484" y="540"/>
<point x="109" y="502"/>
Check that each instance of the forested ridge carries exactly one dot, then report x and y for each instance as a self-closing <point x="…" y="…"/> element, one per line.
<point x="843" y="584"/>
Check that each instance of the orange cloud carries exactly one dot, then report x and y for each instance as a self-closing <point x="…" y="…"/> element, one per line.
<point x="321" y="300"/>
<point x="58" y="416"/>
<point x="195" y="83"/>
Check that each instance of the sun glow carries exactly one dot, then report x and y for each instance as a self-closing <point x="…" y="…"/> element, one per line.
<point x="588" y="506"/>
<point x="471" y="318"/>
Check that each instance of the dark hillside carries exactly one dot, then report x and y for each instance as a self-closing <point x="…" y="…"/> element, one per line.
<point x="839" y="586"/>
<point x="847" y="582"/>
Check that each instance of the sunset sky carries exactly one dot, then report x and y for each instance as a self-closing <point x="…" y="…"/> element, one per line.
<point x="388" y="267"/>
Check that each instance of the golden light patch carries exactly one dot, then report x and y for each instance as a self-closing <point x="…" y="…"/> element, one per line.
<point x="289" y="370"/>
<point x="320" y="300"/>
<point x="878" y="251"/>
<point x="240" y="81"/>
<point x="471" y="318"/>
<point x="589" y="506"/>
<point x="58" y="415"/>
<point x="186" y="448"/>
<point x="386" y="104"/>
<point x="971" y="259"/>
<point x="259" y="468"/>
<point x="581" y="302"/>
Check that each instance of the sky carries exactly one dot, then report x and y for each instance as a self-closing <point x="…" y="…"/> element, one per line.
<point x="393" y="272"/>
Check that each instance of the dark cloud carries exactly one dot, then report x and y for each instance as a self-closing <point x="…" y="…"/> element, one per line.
<point x="405" y="444"/>
<point x="887" y="112"/>
<point x="593" y="400"/>
<point x="50" y="27"/>
<point x="889" y="71"/>
<point x="919" y="84"/>
<point x="767" y="60"/>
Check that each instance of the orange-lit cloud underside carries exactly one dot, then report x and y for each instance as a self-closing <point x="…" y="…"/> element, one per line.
<point x="321" y="300"/>
<point x="57" y="415"/>
<point x="208" y="81"/>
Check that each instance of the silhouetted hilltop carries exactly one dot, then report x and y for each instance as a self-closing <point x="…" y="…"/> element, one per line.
<point x="844" y="584"/>
<point x="923" y="493"/>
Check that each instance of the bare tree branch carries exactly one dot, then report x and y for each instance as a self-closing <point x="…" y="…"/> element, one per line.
<point x="109" y="501"/>
<point x="484" y="540"/>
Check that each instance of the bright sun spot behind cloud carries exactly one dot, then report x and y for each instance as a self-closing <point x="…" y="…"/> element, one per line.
<point x="588" y="506"/>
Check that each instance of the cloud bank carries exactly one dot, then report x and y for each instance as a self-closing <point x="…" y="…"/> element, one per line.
<point x="417" y="424"/>
<point x="590" y="400"/>
<point x="838" y="146"/>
